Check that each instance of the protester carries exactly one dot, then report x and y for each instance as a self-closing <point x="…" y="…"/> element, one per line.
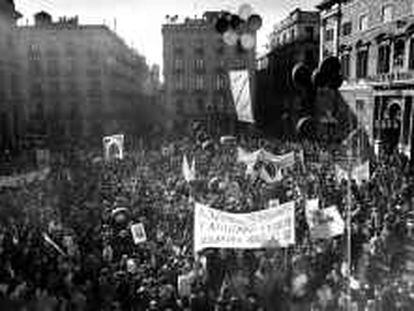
<point x="66" y="243"/>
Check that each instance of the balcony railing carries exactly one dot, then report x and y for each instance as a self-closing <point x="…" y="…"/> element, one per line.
<point x="397" y="76"/>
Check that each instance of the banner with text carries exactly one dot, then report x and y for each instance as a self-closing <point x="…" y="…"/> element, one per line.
<point x="218" y="229"/>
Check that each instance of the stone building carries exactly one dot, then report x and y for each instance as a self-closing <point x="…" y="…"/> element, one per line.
<point x="375" y="42"/>
<point x="196" y="65"/>
<point x="10" y="80"/>
<point x="81" y="80"/>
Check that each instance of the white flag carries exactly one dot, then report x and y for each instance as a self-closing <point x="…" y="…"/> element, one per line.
<point x="49" y="240"/>
<point x="188" y="172"/>
<point x="240" y="88"/>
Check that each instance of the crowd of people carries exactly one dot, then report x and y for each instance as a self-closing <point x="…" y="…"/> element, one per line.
<point x="66" y="244"/>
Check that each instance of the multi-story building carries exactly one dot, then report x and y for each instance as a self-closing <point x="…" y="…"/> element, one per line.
<point x="375" y="42"/>
<point x="293" y="40"/>
<point x="10" y="78"/>
<point x="82" y="80"/>
<point x="196" y="65"/>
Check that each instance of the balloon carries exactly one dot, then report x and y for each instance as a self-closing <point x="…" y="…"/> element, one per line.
<point x="254" y="22"/>
<point x="230" y="37"/>
<point x="222" y="25"/>
<point x="248" y="41"/>
<point x="301" y="76"/>
<point x="245" y="10"/>
<point x="235" y="22"/>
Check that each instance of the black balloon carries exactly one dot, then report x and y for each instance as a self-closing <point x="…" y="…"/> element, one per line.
<point x="222" y="25"/>
<point x="235" y="22"/>
<point x="254" y="22"/>
<point x="301" y="76"/>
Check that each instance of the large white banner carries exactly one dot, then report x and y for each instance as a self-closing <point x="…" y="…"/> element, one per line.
<point x="218" y="229"/>
<point x="240" y="88"/>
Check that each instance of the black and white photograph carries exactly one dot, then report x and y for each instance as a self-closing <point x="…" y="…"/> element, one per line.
<point x="207" y="155"/>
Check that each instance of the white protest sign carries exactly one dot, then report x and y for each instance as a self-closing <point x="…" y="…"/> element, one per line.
<point x="218" y="229"/>
<point x="323" y="223"/>
<point x="113" y="147"/>
<point x="138" y="233"/>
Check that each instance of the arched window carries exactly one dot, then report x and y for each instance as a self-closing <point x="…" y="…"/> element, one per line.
<point x="399" y="52"/>
<point x="384" y="52"/>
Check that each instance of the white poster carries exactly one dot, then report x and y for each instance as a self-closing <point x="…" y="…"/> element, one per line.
<point x="113" y="147"/>
<point x="240" y="88"/>
<point x="138" y="233"/>
<point x="323" y="223"/>
<point x="218" y="229"/>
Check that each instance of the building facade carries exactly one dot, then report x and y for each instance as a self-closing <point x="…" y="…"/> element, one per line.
<point x="81" y="80"/>
<point x="10" y="79"/>
<point x="294" y="40"/>
<point x="375" y="42"/>
<point x="196" y="65"/>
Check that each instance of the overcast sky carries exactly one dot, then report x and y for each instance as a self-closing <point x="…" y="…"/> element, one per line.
<point x="139" y="21"/>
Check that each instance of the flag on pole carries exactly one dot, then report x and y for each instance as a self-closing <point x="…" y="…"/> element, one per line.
<point x="49" y="240"/>
<point x="240" y="88"/>
<point x="188" y="172"/>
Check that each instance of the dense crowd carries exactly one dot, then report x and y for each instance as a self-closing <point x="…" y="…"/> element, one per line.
<point x="65" y="242"/>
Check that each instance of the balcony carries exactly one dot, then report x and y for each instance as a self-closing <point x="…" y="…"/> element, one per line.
<point x="393" y="77"/>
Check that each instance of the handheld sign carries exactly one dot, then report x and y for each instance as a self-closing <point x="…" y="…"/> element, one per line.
<point x="138" y="233"/>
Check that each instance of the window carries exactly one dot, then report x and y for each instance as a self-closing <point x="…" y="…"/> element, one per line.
<point x="178" y="65"/>
<point x="54" y="87"/>
<point x="34" y="52"/>
<point x="220" y="82"/>
<point x="199" y="83"/>
<point x="35" y="67"/>
<point x="309" y="33"/>
<point x="52" y="67"/>
<point x="384" y="52"/>
<point x="179" y="83"/>
<point x="14" y="84"/>
<point x="284" y="38"/>
<point x="199" y="64"/>
<point x="347" y="28"/>
<point x="180" y="106"/>
<point x="363" y="22"/>
<point x="292" y="35"/>
<point x="362" y="63"/>
<point x="399" y="53"/>
<point x="345" y="65"/>
<point x="411" y="60"/>
<point x="310" y="57"/>
<point x="200" y="105"/>
<point x="360" y="107"/>
<point x="178" y="50"/>
<point x="329" y="34"/>
<point x="387" y="14"/>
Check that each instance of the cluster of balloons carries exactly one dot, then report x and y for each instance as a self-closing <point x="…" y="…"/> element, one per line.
<point x="239" y="29"/>
<point x="328" y="74"/>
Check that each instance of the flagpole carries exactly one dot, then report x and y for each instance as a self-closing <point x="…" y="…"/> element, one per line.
<point x="348" y="221"/>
